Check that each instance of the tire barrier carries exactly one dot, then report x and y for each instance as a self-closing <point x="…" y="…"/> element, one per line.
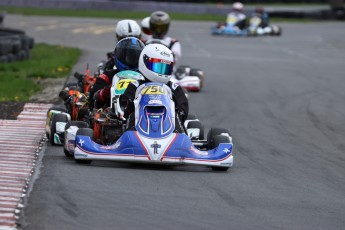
<point x="15" y="45"/>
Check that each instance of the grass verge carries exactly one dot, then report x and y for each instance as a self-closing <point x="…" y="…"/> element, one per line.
<point x="124" y="14"/>
<point x="17" y="79"/>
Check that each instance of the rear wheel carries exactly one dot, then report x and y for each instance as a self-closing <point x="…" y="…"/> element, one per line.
<point x="57" y="117"/>
<point x="84" y="132"/>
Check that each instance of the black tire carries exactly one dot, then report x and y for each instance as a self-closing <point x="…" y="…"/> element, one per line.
<point x="72" y="84"/>
<point x="23" y="55"/>
<point x="31" y="42"/>
<point x="79" y="124"/>
<point x="57" y="117"/>
<point x="16" y="45"/>
<point x="57" y="108"/>
<point x="84" y="132"/>
<point x="11" y="58"/>
<point x="67" y="154"/>
<point x="218" y="139"/>
<point x="200" y="74"/>
<point x="191" y="117"/>
<point x="213" y="132"/>
<point x="220" y="169"/>
<point x="198" y="125"/>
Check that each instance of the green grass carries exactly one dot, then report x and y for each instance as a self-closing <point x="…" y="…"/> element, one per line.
<point x="17" y="79"/>
<point x="104" y="13"/>
<point x="126" y="14"/>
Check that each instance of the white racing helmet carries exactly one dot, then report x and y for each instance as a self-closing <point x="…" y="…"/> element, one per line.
<point x="127" y="28"/>
<point x="156" y="63"/>
<point x="145" y="26"/>
<point x="237" y="6"/>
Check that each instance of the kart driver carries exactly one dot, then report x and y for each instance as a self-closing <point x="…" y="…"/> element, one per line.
<point x="124" y="28"/>
<point x="159" y="27"/>
<point x="126" y="56"/>
<point x="156" y="65"/>
<point x="236" y="17"/>
<point x="145" y="29"/>
<point x="259" y="12"/>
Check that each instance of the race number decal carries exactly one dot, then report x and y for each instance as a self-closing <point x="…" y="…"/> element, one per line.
<point x="231" y="20"/>
<point x="123" y="84"/>
<point x="153" y="89"/>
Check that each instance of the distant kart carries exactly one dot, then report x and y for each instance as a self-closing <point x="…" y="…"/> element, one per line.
<point x="155" y="140"/>
<point x="189" y="78"/>
<point x="254" y="29"/>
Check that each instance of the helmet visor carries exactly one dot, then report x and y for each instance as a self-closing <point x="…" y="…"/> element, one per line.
<point x="159" y="30"/>
<point x="146" y="31"/>
<point x="159" y="66"/>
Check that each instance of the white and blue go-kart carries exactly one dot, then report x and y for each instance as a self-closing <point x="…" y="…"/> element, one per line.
<point x="154" y="139"/>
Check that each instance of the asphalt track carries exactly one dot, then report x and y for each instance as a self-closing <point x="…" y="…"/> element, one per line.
<point x="281" y="97"/>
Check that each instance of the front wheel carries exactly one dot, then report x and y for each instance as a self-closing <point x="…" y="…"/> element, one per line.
<point x="216" y="135"/>
<point x="84" y="132"/>
<point x="218" y="139"/>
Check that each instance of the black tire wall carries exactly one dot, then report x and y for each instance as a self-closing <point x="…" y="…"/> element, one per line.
<point x="15" y="45"/>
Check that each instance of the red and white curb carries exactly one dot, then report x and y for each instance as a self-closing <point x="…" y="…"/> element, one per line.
<point x="20" y="143"/>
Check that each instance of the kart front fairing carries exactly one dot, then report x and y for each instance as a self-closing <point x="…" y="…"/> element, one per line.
<point x="175" y="148"/>
<point x="154" y="139"/>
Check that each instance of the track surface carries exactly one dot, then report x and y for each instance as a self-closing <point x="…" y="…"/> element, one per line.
<point x="283" y="100"/>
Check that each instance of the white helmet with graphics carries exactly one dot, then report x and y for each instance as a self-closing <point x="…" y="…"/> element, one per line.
<point x="127" y="28"/>
<point x="156" y="63"/>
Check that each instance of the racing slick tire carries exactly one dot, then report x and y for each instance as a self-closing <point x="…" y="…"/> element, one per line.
<point x="200" y="74"/>
<point x="212" y="141"/>
<point x="79" y="124"/>
<point x="218" y="140"/>
<point x="197" y="125"/>
<point x="276" y="30"/>
<point x="85" y="132"/>
<point x="191" y="117"/>
<point x="56" y="118"/>
<point x="57" y="108"/>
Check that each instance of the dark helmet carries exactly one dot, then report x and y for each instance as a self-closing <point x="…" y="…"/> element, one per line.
<point x="127" y="52"/>
<point x="159" y="24"/>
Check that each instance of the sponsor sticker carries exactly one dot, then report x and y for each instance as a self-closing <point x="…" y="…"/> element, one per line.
<point x="165" y="54"/>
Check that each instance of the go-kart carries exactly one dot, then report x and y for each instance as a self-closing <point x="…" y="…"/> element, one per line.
<point x="108" y="124"/>
<point x="154" y="138"/>
<point x="189" y="78"/>
<point x="75" y="108"/>
<point x="254" y="28"/>
<point x="75" y="97"/>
